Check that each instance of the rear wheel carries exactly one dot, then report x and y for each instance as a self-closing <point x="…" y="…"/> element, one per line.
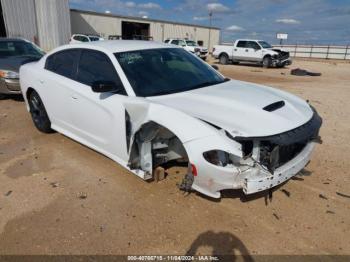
<point x="267" y="62"/>
<point x="223" y="59"/>
<point x="39" y="115"/>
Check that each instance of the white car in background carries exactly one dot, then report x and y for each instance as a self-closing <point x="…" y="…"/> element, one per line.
<point x="146" y="104"/>
<point x="80" y="38"/>
<point x="190" y="46"/>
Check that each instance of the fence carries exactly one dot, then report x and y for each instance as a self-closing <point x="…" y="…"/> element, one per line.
<point x="317" y="51"/>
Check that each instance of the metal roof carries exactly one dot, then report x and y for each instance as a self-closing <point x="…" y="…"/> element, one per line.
<point x="141" y="19"/>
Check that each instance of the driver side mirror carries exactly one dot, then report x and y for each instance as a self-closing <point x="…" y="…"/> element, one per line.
<point x="104" y="87"/>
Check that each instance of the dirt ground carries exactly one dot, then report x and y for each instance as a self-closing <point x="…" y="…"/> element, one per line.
<point x="59" y="197"/>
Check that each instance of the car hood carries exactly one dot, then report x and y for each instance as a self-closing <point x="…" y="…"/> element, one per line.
<point x="14" y="63"/>
<point x="237" y="107"/>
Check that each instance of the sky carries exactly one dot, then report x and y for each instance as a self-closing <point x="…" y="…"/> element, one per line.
<point x="305" y="21"/>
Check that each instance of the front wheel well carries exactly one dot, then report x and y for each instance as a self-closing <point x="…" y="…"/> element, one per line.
<point x="29" y="92"/>
<point x="153" y="146"/>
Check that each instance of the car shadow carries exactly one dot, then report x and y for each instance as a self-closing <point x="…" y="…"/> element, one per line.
<point x="225" y="246"/>
<point x="17" y="98"/>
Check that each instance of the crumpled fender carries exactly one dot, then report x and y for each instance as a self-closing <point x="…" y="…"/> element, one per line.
<point x="185" y="127"/>
<point x="197" y="137"/>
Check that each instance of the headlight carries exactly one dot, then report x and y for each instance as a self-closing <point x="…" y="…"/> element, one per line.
<point x="221" y="158"/>
<point x="196" y="50"/>
<point x="9" y="74"/>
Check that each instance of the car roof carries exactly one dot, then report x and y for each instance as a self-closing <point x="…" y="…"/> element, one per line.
<point x="3" y="39"/>
<point x="115" y="46"/>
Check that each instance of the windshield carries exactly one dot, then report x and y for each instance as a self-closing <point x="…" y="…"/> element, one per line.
<point x="19" y="48"/>
<point x="265" y="44"/>
<point x="166" y="71"/>
<point x="191" y="43"/>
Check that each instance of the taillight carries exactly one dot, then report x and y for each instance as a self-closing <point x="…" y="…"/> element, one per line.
<point x="193" y="170"/>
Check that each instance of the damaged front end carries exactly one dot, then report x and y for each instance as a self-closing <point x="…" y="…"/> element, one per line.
<point x="275" y="159"/>
<point x="216" y="159"/>
<point x="282" y="58"/>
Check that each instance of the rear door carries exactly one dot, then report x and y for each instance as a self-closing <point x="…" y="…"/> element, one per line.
<point x="239" y="51"/>
<point x="55" y="87"/>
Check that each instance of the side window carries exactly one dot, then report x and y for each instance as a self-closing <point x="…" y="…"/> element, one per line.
<point x="96" y="66"/>
<point x="63" y="62"/>
<point x="84" y="39"/>
<point x="175" y="42"/>
<point x="241" y="43"/>
<point x="252" y="44"/>
<point x="76" y="37"/>
<point x="166" y="41"/>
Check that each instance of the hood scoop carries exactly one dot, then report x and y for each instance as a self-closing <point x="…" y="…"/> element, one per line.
<point x="274" y="106"/>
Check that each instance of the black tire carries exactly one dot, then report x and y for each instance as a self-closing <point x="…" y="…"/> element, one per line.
<point x="204" y="58"/>
<point x="39" y="115"/>
<point x="223" y="59"/>
<point x="267" y="61"/>
<point x="2" y="96"/>
<point x="235" y="62"/>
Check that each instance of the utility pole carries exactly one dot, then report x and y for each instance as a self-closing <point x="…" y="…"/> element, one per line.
<point x="210" y="17"/>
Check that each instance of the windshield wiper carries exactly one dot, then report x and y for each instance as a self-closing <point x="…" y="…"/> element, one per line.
<point x="209" y="83"/>
<point x="204" y="84"/>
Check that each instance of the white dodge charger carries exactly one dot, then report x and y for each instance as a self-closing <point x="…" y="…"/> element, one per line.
<point x="146" y="104"/>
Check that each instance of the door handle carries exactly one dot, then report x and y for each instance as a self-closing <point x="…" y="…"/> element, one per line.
<point x="246" y="50"/>
<point x="74" y="97"/>
<point x="235" y="49"/>
<point x="41" y="81"/>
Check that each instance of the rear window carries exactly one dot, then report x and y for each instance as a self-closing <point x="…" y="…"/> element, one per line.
<point x="63" y="63"/>
<point x="241" y="43"/>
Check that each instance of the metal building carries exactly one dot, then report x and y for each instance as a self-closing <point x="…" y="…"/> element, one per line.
<point x="45" y="22"/>
<point x="126" y="27"/>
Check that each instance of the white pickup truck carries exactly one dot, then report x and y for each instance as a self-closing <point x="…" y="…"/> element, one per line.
<point x="256" y="51"/>
<point x="190" y="46"/>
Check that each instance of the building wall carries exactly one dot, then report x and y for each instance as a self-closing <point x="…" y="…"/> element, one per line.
<point x="105" y="25"/>
<point x="53" y="21"/>
<point x="20" y="19"/>
<point x="82" y="23"/>
<point x="45" y="22"/>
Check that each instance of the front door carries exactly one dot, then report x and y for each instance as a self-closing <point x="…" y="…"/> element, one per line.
<point x="253" y="51"/>
<point x="98" y="118"/>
